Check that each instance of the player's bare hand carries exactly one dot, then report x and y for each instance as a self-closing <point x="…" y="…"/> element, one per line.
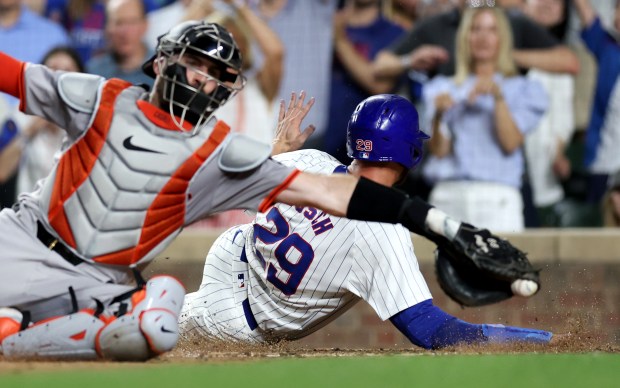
<point x="289" y="136"/>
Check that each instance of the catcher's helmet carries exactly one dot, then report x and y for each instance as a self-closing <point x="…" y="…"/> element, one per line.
<point x="202" y="39"/>
<point x="384" y="128"/>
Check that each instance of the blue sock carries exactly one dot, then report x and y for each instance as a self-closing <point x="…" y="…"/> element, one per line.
<point x="429" y="327"/>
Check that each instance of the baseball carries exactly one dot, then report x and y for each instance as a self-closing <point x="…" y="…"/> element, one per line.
<point x="523" y="287"/>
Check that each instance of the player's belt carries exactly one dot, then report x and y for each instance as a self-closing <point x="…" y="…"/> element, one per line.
<point x="249" y="317"/>
<point x="247" y="310"/>
<point x="52" y="243"/>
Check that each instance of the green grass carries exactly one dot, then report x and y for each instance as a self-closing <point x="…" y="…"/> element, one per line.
<point x="427" y="371"/>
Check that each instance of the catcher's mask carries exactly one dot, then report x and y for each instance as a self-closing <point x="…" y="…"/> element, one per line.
<point x="177" y="51"/>
<point x="384" y="128"/>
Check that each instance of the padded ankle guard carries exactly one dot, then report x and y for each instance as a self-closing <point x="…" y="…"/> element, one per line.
<point x="151" y="328"/>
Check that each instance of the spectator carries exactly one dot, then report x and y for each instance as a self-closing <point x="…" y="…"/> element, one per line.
<point x="429" y="47"/>
<point x="605" y="10"/>
<point x="603" y="133"/>
<point x="8" y="135"/>
<point x="306" y="30"/>
<point x="125" y="28"/>
<point x="84" y="20"/>
<point x="547" y="164"/>
<point x="253" y="111"/>
<point x="161" y="20"/>
<point x="479" y="120"/>
<point x="611" y="202"/>
<point x="550" y="14"/>
<point x="402" y="12"/>
<point x="507" y="5"/>
<point x="429" y="8"/>
<point x="428" y="50"/>
<point x="25" y="36"/>
<point x="360" y="31"/>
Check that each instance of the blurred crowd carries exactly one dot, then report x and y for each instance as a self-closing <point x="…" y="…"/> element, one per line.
<point x="520" y="97"/>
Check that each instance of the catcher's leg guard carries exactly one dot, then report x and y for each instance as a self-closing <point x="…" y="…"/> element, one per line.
<point x="69" y="336"/>
<point x="150" y="328"/>
<point x="10" y="322"/>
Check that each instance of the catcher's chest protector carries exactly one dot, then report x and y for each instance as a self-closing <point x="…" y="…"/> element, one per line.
<point x="118" y="195"/>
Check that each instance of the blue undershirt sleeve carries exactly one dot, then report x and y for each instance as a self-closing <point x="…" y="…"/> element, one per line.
<point x="429" y="327"/>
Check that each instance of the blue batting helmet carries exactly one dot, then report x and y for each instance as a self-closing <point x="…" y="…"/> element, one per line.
<point x="384" y="128"/>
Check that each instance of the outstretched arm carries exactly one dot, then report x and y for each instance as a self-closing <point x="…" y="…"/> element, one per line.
<point x="429" y="327"/>
<point x="365" y="200"/>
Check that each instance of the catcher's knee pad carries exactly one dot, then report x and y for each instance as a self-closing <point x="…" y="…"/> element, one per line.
<point x="69" y="336"/>
<point x="150" y="328"/>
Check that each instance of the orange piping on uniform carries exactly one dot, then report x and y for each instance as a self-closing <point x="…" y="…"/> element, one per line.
<point x="167" y="211"/>
<point x="271" y="198"/>
<point x="12" y="80"/>
<point x="22" y="87"/>
<point x="77" y="162"/>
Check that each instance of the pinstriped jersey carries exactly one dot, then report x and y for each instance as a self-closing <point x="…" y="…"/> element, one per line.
<point x="128" y="181"/>
<point x="307" y="267"/>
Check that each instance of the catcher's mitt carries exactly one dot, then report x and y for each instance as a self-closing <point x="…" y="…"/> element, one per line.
<point x="478" y="268"/>
<point x="465" y="285"/>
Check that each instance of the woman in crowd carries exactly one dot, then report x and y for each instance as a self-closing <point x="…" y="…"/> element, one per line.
<point x="479" y="120"/>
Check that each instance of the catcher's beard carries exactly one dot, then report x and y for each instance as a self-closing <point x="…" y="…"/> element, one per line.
<point x="187" y="102"/>
<point x="166" y="100"/>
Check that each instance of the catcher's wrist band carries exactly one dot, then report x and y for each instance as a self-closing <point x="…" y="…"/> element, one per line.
<point x="439" y="222"/>
<point x="374" y="202"/>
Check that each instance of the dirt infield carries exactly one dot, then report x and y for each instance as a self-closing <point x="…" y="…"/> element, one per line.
<point x="196" y="350"/>
<point x="200" y="349"/>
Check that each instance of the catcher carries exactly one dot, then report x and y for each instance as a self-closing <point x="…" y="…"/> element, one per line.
<point x="294" y="269"/>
